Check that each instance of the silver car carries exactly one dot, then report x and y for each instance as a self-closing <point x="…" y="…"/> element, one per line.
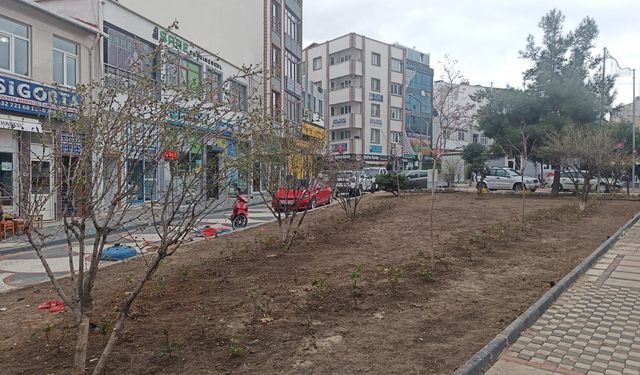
<point x="499" y="178"/>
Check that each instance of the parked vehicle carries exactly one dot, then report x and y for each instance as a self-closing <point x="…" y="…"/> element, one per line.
<point x="417" y="179"/>
<point x="302" y="197"/>
<point x="240" y="213"/>
<point x="499" y="178"/>
<point x="374" y="172"/>
<point x="353" y="183"/>
<point x="569" y="179"/>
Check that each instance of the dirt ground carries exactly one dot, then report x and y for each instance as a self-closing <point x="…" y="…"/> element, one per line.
<point x="349" y="297"/>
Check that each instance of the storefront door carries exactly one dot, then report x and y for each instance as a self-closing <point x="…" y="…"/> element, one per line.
<point x="41" y="188"/>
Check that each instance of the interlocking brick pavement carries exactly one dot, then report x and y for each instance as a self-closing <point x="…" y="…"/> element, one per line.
<point x="593" y="326"/>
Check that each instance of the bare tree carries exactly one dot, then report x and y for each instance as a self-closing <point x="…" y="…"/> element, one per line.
<point x="131" y="155"/>
<point x="587" y="154"/>
<point x="452" y="113"/>
<point x="349" y="183"/>
<point x="286" y="164"/>
<point x="451" y="172"/>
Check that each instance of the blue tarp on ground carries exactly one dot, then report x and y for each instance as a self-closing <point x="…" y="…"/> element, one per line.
<point x="118" y="252"/>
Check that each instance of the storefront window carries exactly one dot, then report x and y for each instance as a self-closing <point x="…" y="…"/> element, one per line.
<point x="6" y="178"/>
<point x="125" y="54"/>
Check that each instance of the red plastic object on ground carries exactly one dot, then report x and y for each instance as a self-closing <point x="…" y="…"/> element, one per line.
<point x="53" y="306"/>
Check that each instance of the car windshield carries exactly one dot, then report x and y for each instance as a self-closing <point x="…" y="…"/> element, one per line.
<point x="513" y="172"/>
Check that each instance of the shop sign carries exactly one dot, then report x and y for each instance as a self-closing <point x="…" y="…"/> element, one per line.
<point x="170" y="155"/>
<point x="374" y="157"/>
<point x="339" y="147"/>
<point x="70" y="144"/>
<point x="183" y="46"/>
<point x="17" y="123"/>
<point x="35" y="99"/>
<point x="339" y="121"/>
<point x="313" y="131"/>
<point x="375" y="122"/>
<point x="375" y="149"/>
<point x="376" y="97"/>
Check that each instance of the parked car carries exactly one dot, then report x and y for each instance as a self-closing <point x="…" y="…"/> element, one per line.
<point x="499" y="178"/>
<point x="374" y="172"/>
<point x="353" y="183"/>
<point x="417" y="179"/>
<point x="303" y="196"/>
<point x="568" y="180"/>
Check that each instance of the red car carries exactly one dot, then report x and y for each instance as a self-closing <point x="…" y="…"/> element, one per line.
<point x="315" y="194"/>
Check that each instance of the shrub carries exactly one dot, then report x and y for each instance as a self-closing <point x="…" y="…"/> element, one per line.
<point x="391" y="182"/>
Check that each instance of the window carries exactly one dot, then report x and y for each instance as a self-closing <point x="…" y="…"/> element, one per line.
<point x="395" y="137"/>
<point x="475" y="138"/>
<point x="483" y="139"/>
<point x="396" y="113"/>
<point x="238" y="96"/>
<point x="375" y="110"/>
<point x="396" y="89"/>
<point x="276" y="62"/>
<point x="6" y="179"/>
<point x="375" y="136"/>
<point x="214" y="80"/>
<point x="375" y="84"/>
<point x="14" y="47"/>
<point x="291" y="66"/>
<point x="317" y="63"/>
<point x="125" y="54"/>
<point x="292" y="26"/>
<point x="461" y="135"/>
<point x="292" y="109"/>
<point x="190" y="73"/>
<point x="320" y="105"/>
<point x="345" y="134"/>
<point x="332" y="111"/>
<point x="333" y="136"/>
<point x="345" y="83"/>
<point x="345" y="109"/>
<point x="275" y="17"/>
<point x="396" y="65"/>
<point x="65" y="62"/>
<point x="375" y="59"/>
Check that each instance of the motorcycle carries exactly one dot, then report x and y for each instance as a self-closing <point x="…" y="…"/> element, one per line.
<point x="240" y="212"/>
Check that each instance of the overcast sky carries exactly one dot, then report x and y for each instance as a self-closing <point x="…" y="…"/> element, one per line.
<point x="484" y="36"/>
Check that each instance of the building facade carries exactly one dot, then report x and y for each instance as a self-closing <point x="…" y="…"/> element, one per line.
<point x="130" y="39"/>
<point x="43" y="56"/>
<point x="367" y="83"/>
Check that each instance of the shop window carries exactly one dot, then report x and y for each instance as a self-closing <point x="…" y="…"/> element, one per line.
<point x="6" y="178"/>
<point x="40" y="177"/>
<point x="126" y="55"/>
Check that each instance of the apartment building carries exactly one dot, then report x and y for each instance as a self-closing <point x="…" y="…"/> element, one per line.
<point x="43" y="56"/>
<point x="366" y="81"/>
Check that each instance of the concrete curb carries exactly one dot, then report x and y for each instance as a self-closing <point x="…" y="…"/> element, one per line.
<point x="488" y="355"/>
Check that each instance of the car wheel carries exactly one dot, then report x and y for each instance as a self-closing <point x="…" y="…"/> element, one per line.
<point x="560" y="188"/>
<point x="533" y="190"/>
<point x="517" y="187"/>
<point x="314" y="203"/>
<point x="602" y="188"/>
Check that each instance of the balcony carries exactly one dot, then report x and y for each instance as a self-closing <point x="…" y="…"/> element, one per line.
<point x="345" y="68"/>
<point x="351" y="120"/>
<point x="345" y="95"/>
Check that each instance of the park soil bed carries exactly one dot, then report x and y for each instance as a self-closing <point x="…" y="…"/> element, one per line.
<point x="240" y="305"/>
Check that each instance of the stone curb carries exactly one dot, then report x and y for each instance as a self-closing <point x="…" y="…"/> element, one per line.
<point x="488" y="355"/>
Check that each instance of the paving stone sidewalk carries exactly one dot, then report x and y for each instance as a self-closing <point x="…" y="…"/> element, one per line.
<point x="593" y="327"/>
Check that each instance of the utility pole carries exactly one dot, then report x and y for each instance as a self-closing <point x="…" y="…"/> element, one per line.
<point x="633" y="131"/>
<point x="604" y="63"/>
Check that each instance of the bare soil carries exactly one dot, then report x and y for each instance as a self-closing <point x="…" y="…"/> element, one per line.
<point x="239" y="305"/>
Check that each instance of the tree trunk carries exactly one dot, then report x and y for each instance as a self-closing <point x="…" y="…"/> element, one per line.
<point x="432" y="253"/>
<point x="523" y="198"/>
<point x="555" y="186"/>
<point x="80" y="359"/>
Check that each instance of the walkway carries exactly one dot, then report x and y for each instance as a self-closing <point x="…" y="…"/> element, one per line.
<point x="593" y="328"/>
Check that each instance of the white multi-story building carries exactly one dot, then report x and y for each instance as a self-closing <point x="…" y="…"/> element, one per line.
<point x="366" y="82"/>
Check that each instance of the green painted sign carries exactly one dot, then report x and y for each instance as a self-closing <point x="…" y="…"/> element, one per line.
<point x="174" y="41"/>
